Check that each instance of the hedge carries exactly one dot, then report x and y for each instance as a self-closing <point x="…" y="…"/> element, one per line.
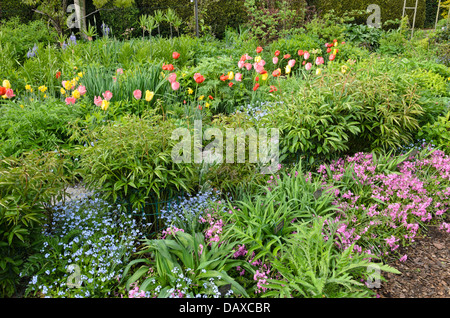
<point x="390" y="9"/>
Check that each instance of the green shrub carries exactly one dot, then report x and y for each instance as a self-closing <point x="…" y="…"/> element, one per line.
<point x="28" y="185"/>
<point x="438" y="133"/>
<point x="26" y="35"/>
<point x="130" y="159"/>
<point x="390" y="9"/>
<point x="38" y="125"/>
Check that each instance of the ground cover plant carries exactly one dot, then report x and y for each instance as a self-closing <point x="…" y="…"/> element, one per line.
<point x="364" y="169"/>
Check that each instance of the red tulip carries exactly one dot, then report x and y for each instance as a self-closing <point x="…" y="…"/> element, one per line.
<point x="259" y="49"/>
<point x="58" y="74"/>
<point x="230" y="84"/>
<point x="301" y="52"/>
<point x="223" y="77"/>
<point x="210" y="97"/>
<point x="329" y="50"/>
<point x="256" y="87"/>
<point x="175" y="55"/>
<point x="168" y="67"/>
<point x="277" y="52"/>
<point x="2" y="91"/>
<point x="287" y="56"/>
<point x="200" y="107"/>
<point x="199" y="78"/>
<point x="332" y="57"/>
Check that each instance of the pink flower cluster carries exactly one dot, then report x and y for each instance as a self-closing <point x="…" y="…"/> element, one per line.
<point x="397" y="200"/>
<point x="170" y="231"/>
<point x="214" y="229"/>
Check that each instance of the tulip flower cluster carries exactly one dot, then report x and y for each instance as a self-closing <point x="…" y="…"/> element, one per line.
<point x="6" y="90"/>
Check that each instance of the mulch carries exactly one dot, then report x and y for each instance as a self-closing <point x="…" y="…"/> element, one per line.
<point x="425" y="273"/>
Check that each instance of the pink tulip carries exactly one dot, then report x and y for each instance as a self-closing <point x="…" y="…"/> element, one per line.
<point x="319" y="60"/>
<point x="70" y="100"/>
<point x="9" y="93"/>
<point x="175" y="86"/>
<point x="308" y="66"/>
<point x="137" y="94"/>
<point x="275" y="60"/>
<point x="172" y="78"/>
<point x="82" y="89"/>
<point x="291" y="63"/>
<point x="238" y="77"/>
<point x="64" y="83"/>
<point x="259" y="67"/>
<point x="107" y="95"/>
<point x="98" y="100"/>
<point x="306" y="55"/>
<point x="241" y="64"/>
<point x="119" y="71"/>
<point x="248" y="66"/>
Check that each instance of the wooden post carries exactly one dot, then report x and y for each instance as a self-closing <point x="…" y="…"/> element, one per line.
<point x="196" y="17"/>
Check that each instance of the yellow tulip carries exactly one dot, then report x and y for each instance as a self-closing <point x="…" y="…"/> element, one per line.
<point x="76" y="94"/>
<point x="288" y="69"/>
<point x="105" y="104"/>
<point x="264" y="76"/>
<point x="190" y="91"/>
<point x="318" y="71"/>
<point x="201" y="97"/>
<point x="80" y="74"/>
<point x="335" y="51"/>
<point x="258" y="59"/>
<point x="63" y="91"/>
<point x="6" y="84"/>
<point x="28" y="87"/>
<point x="344" y="68"/>
<point x="21" y="106"/>
<point x="335" y="44"/>
<point x="42" y="88"/>
<point x="149" y="95"/>
<point x="68" y="85"/>
<point x="230" y="75"/>
<point x="207" y="105"/>
<point x="77" y="78"/>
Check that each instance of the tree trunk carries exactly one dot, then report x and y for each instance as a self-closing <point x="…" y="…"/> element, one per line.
<point x="81" y="16"/>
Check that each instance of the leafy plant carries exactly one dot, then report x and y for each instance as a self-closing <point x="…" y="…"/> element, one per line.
<point x="311" y="267"/>
<point x="185" y="264"/>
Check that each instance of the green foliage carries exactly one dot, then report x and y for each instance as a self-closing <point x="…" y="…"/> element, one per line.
<point x="438" y="133"/>
<point x="272" y="19"/>
<point x="312" y="267"/>
<point x="390" y="9"/>
<point x="27" y="186"/>
<point x="25" y="36"/>
<point x="131" y="159"/>
<point x="187" y="256"/>
<point x="38" y="125"/>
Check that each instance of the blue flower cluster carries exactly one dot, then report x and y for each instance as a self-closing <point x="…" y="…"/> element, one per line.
<point x="90" y="236"/>
<point x="191" y="208"/>
<point x="32" y="52"/>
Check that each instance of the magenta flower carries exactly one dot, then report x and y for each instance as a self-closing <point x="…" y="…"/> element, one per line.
<point x="137" y="94"/>
<point x="119" y="71"/>
<point x="404" y="258"/>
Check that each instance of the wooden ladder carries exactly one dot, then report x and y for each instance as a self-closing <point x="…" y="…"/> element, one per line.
<point x="414" y="17"/>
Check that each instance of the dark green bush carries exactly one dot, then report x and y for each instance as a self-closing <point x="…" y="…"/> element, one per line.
<point x="390" y="9"/>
